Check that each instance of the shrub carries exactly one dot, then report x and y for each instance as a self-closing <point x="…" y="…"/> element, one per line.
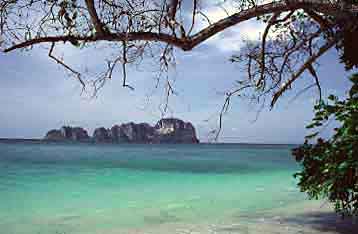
<point x="330" y="167"/>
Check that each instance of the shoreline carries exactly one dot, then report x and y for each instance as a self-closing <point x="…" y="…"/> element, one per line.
<point x="307" y="217"/>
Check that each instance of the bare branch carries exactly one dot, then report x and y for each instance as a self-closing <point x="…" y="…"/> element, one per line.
<point x="124" y="64"/>
<point x="269" y="8"/>
<point x="94" y="17"/>
<point x="301" y="92"/>
<point x="305" y="66"/>
<point x="172" y="9"/>
<point x="77" y="74"/>
<point x="267" y="29"/>
<point x="315" y="76"/>
<point x="226" y="106"/>
<point x="188" y="43"/>
<point x="134" y="36"/>
<point x="195" y="3"/>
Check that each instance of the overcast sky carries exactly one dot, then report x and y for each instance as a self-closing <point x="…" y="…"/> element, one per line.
<point x="38" y="95"/>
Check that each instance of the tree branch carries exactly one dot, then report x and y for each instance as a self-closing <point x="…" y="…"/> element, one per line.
<point x="188" y="43"/>
<point x="124" y="65"/>
<point x="263" y="47"/>
<point x="76" y="73"/>
<point x="172" y="9"/>
<point x="305" y="66"/>
<point x="133" y="36"/>
<point x="195" y="3"/>
<point x="226" y="106"/>
<point x="94" y="17"/>
<point x="269" y="8"/>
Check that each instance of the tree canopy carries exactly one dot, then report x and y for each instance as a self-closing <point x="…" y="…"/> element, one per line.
<point x="297" y="34"/>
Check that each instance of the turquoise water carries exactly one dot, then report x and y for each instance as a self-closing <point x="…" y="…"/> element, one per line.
<point x="51" y="188"/>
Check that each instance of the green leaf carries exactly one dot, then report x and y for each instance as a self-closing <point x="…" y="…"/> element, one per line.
<point x="332" y="97"/>
<point x="311" y="135"/>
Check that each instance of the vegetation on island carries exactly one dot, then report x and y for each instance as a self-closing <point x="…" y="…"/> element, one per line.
<point x="167" y="130"/>
<point x="297" y="34"/>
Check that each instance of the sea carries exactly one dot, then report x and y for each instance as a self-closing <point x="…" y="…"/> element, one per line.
<point x="132" y="188"/>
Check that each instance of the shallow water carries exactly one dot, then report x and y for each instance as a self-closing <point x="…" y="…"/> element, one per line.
<point x="80" y="188"/>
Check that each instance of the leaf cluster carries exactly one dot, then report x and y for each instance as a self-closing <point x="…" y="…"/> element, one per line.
<point x="330" y="167"/>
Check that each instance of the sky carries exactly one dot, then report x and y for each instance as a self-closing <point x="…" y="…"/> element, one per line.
<point x="37" y="95"/>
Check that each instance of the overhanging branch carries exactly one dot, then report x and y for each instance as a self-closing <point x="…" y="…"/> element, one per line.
<point x="76" y="73"/>
<point x="304" y="67"/>
<point x="188" y="43"/>
<point x="134" y="36"/>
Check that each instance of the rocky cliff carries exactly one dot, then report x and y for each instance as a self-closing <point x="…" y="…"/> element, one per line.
<point x="169" y="130"/>
<point x="102" y="135"/>
<point x="67" y="133"/>
<point x="174" y="131"/>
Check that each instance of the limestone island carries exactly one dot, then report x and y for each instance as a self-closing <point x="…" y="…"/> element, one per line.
<point x="167" y="130"/>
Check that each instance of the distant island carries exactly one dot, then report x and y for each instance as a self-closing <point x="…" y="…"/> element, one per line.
<point x="167" y="130"/>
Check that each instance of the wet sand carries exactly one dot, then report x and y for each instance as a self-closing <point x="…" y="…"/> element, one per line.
<point x="310" y="217"/>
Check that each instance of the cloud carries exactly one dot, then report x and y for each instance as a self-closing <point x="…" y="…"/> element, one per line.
<point x="232" y="38"/>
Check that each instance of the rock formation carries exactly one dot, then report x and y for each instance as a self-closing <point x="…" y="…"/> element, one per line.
<point x="54" y="135"/>
<point x="169" y="130"/>
<point x="117" y="135"/>
<point x="67" y="133"/>
<point x="137" y="133"/>
<point x="102" y="135"/>
<point x="173" y="130"/>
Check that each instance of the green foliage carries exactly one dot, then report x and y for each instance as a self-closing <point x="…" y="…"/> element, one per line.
<point x="330" y="167"/>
